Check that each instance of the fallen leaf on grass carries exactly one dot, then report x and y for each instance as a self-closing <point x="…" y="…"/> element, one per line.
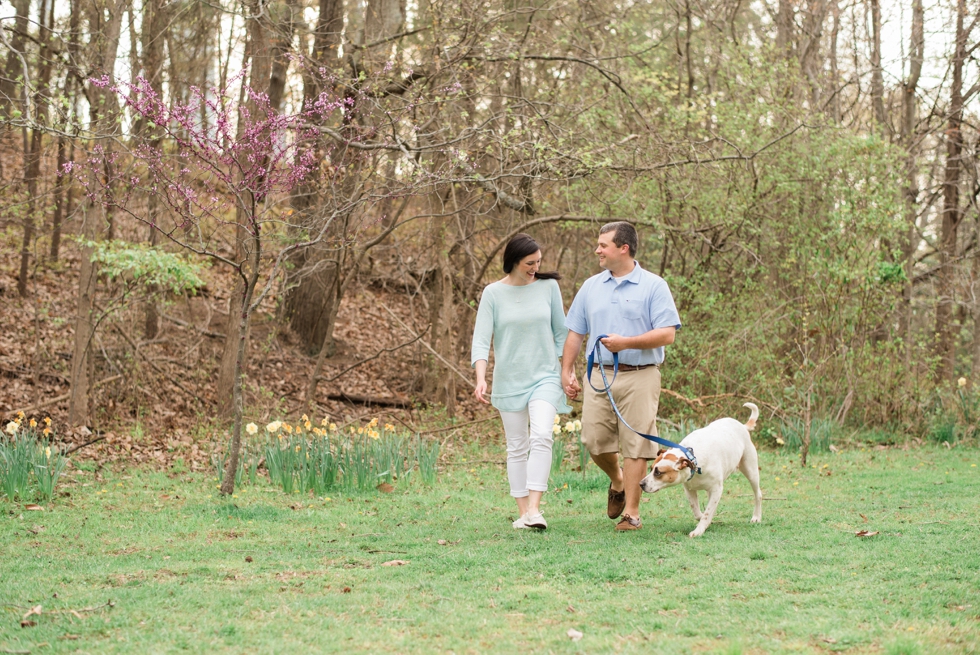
<point x="28" y="624"/>
<point x="443" y="542"/>
<point x="829" y="640"/>
<point x="395" y="562"/>
<point x="385" y="488"/>
<point x="70" y="637"/>
<point x="863" y="517"/>
<point x="568" y="500"/>
<point x="34" y="610"/>
<point x="345" y="590"/>
<point x="574" y="634"/>
<point x="865" y="533"/>
<point x="33" y="508"/>
<point x="248" y="558"/>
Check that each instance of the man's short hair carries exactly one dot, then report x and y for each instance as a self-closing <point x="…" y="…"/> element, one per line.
<point x="623" y="233"/>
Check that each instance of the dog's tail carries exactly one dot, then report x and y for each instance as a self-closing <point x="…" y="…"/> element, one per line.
<point x="750" y="424"/>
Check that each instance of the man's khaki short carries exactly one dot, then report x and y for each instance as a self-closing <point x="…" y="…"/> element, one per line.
<point x="637" y="395"/>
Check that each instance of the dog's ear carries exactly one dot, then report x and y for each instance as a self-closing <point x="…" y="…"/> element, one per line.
<point x="685" y="463"/>
<point x="661" y="451"/>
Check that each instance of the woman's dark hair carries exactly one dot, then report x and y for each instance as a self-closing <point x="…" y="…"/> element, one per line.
<point x="520" y="247"/>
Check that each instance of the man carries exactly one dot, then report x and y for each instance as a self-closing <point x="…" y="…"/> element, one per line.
<point x="636" y="310"/>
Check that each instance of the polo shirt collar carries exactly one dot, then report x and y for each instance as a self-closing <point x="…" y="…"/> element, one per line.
<point x="633" y="277"/>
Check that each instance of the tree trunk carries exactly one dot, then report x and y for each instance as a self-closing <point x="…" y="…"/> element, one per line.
<point x="32" y="168"/>
<point x="835" y="103"/>
<point x="911" y="190"/>
<point x="784" y="27"/>
<point x="103" y="117"/>
<point x="232" y="361"/>
<point x="447" y="317"/>
<point x="59" y="198"/>
<point x="877" y="80"/>
<point x="154" y="35"/>
<point x="78" y="405"/>
<point x="31" y="174"/>
<point x="248" y="282"/>
<point x="952" y="214"/>
<point x="15" y="68"/>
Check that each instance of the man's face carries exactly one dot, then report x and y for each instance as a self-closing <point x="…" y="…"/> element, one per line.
<point x="611" y="255"/>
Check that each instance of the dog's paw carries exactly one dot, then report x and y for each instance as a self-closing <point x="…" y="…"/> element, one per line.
<point x="697" y="532"/>
<point x="756" y="519"/>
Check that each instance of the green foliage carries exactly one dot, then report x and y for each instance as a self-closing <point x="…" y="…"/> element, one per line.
<point x="821" y="435"/>
<point x="326" y="460"/>
<point x="147" y="266"/>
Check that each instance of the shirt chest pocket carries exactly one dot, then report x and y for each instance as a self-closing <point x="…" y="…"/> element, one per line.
<point x="632" y="308"/>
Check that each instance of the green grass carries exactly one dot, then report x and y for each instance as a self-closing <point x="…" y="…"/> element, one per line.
<point x="171" y="557"/>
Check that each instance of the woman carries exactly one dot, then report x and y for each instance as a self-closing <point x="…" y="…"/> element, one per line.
<point x="523" y="315"/>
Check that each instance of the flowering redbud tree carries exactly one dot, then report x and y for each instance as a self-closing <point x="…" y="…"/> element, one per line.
<point x="216" y="166"/>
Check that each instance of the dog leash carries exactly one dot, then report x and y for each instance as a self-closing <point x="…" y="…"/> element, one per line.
<point x="596" y="356"/>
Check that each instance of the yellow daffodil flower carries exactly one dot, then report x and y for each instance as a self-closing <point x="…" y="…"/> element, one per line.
<point x="273" y="427"/>
<point x="47" y="420"/>
<point x="33" y="423"/>
<point x="12" y="428"/>
<point x="251" y="428"/>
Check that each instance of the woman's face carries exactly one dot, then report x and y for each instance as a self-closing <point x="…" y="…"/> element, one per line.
<point x="527" y="267"/>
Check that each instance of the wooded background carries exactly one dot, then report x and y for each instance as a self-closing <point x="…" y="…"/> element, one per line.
<point x="802" y="172"/>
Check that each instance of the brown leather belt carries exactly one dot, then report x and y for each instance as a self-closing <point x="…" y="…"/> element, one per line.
<point x="626" y="367"/>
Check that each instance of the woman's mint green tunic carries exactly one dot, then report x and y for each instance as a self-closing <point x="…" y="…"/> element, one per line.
<point x="527" y="326"/>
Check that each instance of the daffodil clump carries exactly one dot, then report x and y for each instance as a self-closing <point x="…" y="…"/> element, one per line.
<point x="319" y="456"/>
<point x="565" y="436"/>
<point x="29" y="465"/>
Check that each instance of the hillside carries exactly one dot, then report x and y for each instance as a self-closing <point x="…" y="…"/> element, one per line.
<point x="156" y="397"/>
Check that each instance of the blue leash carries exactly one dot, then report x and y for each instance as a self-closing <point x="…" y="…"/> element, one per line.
<point x="595" y="356"/>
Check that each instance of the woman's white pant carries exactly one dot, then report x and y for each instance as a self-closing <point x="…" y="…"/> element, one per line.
<point x="529" y="440"/>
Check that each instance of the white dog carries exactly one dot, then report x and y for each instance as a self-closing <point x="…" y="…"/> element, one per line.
<point x="720" y="448"/>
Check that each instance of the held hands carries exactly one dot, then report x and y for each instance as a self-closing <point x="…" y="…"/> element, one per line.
<point x="480" y="390"/>
<point x="572" y="387"/>
<point x="615" y="343"/>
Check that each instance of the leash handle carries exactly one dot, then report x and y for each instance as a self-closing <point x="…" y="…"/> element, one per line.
<point x="596" y="356"/>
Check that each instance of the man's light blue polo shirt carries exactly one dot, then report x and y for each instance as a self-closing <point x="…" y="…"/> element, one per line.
<point x="636" y="304"/>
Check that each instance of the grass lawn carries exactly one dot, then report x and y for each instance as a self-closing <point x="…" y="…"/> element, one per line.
<point x="187" y="570"/>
